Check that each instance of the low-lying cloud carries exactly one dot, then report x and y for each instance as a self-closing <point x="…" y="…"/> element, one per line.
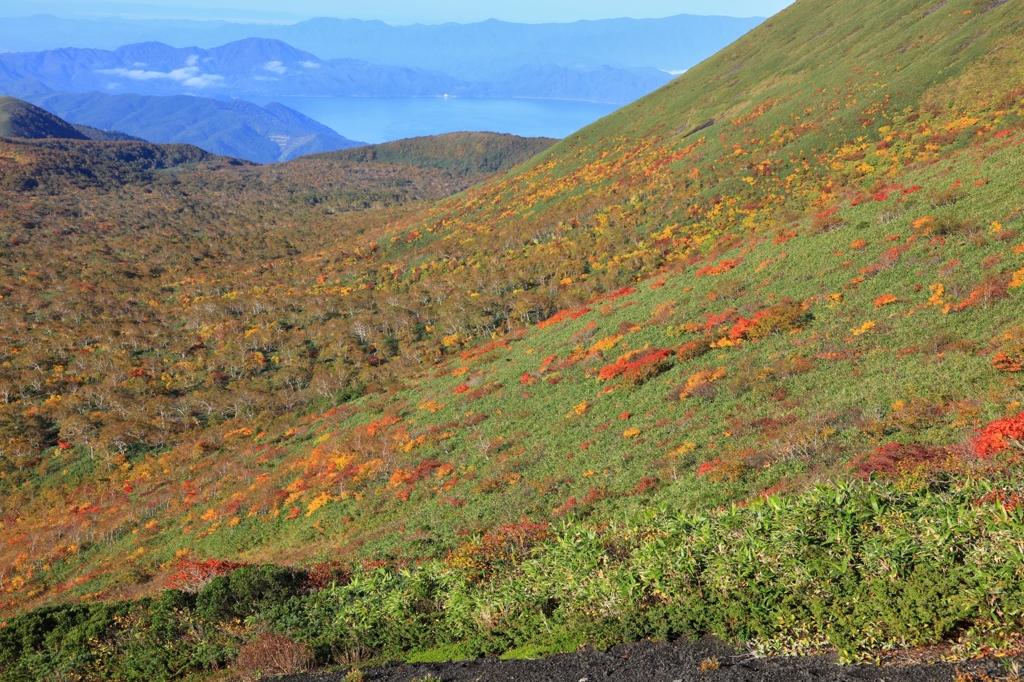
<point x="189" y="75"/>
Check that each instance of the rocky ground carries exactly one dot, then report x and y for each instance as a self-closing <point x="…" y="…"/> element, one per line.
<point x="676" y="662"/>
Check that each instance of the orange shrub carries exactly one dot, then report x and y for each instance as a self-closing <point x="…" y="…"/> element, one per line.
<point x="784" y="317"/>
<point x="723" y="266"/>
<point x="1005" y="362"/>
<point x="504" y="546"/>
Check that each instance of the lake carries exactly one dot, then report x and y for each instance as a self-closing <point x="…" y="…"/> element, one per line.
<point x="376" y="120"/>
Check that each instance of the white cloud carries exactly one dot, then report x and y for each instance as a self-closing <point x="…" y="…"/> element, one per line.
<point x="310" y="65"/>
<point x="674" y="72"/>
<point x="275" y="67"/>
<point x="188" y="75"/>
<point x="192" y="60"/>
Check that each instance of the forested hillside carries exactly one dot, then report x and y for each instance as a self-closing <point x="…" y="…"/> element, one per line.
<point x="745" y="357"/>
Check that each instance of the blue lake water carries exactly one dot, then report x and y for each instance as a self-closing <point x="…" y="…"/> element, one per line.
<point x="376" y="120"/>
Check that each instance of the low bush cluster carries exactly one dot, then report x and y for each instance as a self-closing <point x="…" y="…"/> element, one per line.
<point x="854" y="566"/>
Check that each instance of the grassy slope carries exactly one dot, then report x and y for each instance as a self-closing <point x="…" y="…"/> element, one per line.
<point x="829" y="105"/>
<point x="460" y="153"/>
<point x="795" y="407"/>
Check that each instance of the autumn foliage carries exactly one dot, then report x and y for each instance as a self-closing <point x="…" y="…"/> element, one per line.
<point x="1002" y="435"/>
<point x="636" y="367"/>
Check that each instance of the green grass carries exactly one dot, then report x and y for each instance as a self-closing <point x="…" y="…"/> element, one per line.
<point x="758" y="537"/>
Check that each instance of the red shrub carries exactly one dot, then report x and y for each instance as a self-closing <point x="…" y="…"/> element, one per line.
<point x="708" y="467"/>
<point x="1000" y="436"/>
<point x="192" y="575"/>
<point x="625" y="291"/>
<point x="721" y="318"/>
<point x="321" y="575"/>
<point x="645" y="484"/>
<point x="563" y="315"/>
<point x="895" y="459"/>
<point x="1008" y="499"/>
<point x="474" y="353"/>
<point x="693" y="350"/>
<point x="273" y="654"/>
<point x="826" y="221"/>
<point x="636" y="367"/>
<point x="594" y="495"/>
<point x="991" y="289"/>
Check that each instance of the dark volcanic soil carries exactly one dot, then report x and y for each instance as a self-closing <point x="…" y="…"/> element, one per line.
<point x="653" y="662"/>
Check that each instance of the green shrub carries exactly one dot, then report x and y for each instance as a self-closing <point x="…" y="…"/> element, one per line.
<point x="245" y="591"/>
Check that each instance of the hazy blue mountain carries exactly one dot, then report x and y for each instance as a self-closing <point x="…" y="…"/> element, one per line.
<point x="250" y="67"/>
<point x="261" y="67"/>
<point x="230" y="128"/>
<point x="479" y="51"/>
<point x="488" y="49"/>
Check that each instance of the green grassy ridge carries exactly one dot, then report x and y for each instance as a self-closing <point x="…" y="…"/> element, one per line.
<point x="460" y="153"/>
<point x="859" y="567"/>
<point x="838" y="391"/>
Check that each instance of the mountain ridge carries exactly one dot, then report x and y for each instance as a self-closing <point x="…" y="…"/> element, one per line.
<point x="237" y="128"/>
<point x="260" y="67"/>
<point x="486" y="49"/>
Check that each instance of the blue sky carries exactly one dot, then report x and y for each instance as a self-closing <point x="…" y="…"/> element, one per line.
<point x="399" y="11"/>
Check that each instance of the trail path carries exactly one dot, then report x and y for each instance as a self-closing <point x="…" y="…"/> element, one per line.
<point x="677" y="662"/>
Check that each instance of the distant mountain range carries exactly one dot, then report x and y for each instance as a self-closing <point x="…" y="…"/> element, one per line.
<point x="229" y="128"/>
<point x="197" y="95"/>
<point x="262" y="67"/>
<point x="483" y="51"/>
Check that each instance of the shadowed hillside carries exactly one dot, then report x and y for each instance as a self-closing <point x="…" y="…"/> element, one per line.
<point x="21" y="119"/>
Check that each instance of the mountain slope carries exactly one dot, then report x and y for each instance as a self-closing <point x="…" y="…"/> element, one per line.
<point x="744" y="357"/>
<point x="234" y="128"/>
<point x="21" y="119"/>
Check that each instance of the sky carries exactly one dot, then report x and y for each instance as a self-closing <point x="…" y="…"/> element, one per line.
<point x="397" y="11"/>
